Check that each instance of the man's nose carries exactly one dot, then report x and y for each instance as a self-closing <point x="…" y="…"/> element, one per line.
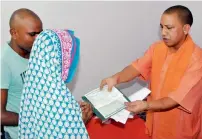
<point x="163" y="32"/>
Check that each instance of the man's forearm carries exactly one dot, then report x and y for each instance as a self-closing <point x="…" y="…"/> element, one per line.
<point x="162" y="104"/>
<point x="126" y="75"/>
<point x="9" y="118"/>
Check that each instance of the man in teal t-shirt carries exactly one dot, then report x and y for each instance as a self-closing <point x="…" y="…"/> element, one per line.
<point x="13" y="68"/>
<point x="25" y="25"/>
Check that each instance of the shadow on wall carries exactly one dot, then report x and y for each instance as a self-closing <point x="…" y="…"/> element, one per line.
<point x="131" y="83"/>
<point x="72" y="84"/>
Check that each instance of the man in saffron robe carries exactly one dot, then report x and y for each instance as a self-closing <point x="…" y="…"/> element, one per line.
<point x="174" y="68"/>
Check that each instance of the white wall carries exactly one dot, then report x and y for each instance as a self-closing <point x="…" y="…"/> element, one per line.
<point x="112" y="34"/>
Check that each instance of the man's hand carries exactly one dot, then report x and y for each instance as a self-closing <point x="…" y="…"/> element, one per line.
<point x="127" y="74"/>
<point x="162" y="104"/>
<point x="137" y="106"/>
<point x="87" y="111"/>
<point x="110" y="82"/>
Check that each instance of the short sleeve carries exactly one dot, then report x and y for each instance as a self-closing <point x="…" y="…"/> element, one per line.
<point x="5" y="75"/>
<point x="189" y="90"/>
<point x="144" y="63"/>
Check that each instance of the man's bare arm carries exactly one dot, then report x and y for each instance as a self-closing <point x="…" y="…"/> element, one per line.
<point x="7" y="118"/>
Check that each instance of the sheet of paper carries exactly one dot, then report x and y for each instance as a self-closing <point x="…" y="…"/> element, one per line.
<point x="140" y="95"/>
<point x="112" y="107"/>
<point x="123" y="115"/>
<point x="107" y="102"/>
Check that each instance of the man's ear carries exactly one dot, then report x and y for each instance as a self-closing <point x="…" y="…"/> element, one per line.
<point x="186" y="29"/>
<point x="13" y="33"/>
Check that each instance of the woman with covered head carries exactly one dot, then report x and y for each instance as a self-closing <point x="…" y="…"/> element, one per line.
<point x="48" y="109"/>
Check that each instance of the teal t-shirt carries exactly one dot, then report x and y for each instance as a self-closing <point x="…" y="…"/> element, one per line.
<point x="13" y="68"/>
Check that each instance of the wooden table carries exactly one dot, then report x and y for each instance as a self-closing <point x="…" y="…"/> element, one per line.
<point x="133" y="129"/>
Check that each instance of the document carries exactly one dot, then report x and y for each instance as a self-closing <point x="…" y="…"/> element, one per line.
<point x="105" y="104"/>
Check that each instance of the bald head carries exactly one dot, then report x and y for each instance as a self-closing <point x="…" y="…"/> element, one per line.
<point x="25" y="25"/>
<point x="20" y="15"/>
<point x="184" y="14"/>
